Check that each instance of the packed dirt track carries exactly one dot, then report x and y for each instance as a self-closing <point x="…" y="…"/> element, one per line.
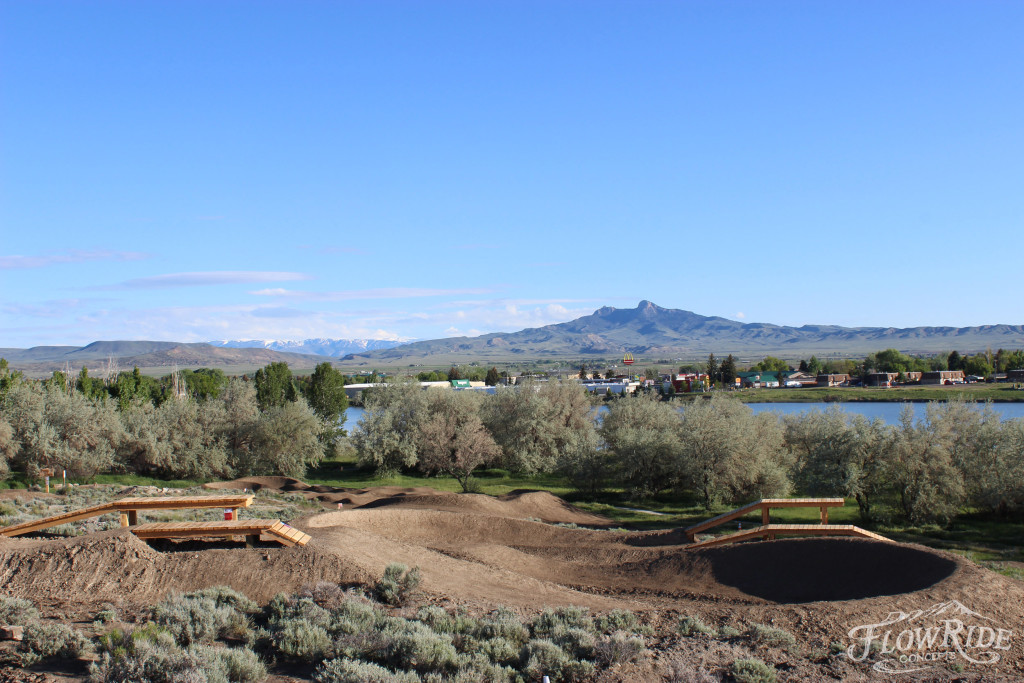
<point x="522" y="550"/>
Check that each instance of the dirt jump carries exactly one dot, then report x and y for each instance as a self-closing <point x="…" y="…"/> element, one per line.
<point x="522" y="550"/>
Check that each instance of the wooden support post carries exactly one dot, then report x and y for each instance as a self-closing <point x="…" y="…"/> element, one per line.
<point x="133" y="517"/>
<point x="234" y="513"/>
<point x="252" y="540"/>
<point x="124" y="519"/>
<point x="824" y="515"/>
<point x="765" y="515"/>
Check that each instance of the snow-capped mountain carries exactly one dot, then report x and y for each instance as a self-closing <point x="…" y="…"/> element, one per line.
<point x="319" y="347"/>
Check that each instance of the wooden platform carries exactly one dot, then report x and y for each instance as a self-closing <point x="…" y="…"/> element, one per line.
<point x="129" y="509"/>
<point x="765" y="505"/>
<point x="770" y="531"/>
<point x="252" y="529"/>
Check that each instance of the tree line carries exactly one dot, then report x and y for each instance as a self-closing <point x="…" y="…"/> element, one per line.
<point x="209" y="427"/>
<point x="714" y="451"/>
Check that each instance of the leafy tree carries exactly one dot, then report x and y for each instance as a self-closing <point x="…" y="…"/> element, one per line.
<point x="583" y="372"/>
<point x="978" y="365"/>
<point x="954" y="361"/>
<point x="814" y="366"/>
<point x="532" y="424"/>
<point x="652" y="374"/>
<point x="326" y="395"/>
<point x="85" y="382"/>
<point x="644" y="438"/>
<point x="274" y="386"/>
<point x="1011" y="360"/>
<point x="386" y="437"/>
<point x="454" y="373"/>
<point x="177" y="439"/>
<point x="8" y="379"/>
<point x="838" y="455"/>
<point x="727" y="452"/>
<point x="204" y="383"/>
<point x="239" y="420"/>
<point x="919" y="465"/>
<point x="772" y="364"/>
<point x="803" y="366"/>
<point x="585" y="463"/>
<point x="286" y="440"/>
<point x="493" y="378"/>
<point x="451" y="438"/>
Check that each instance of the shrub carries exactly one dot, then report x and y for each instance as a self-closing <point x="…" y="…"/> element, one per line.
<point x="552" y="622"/>
<point x="225" y="596"/>
<point x="150" y="655"/>
<point x="106" y="615"/>
<point x="499" y="650"/>
<point x="617" y="620"/>
<point x="301" y="640"/>
<point x="414" y="646"/>
<point x="16" y="611"/>
<point x="577" y="643"/>
<point x="691" y="626"/>
<point x="193" y="619"/>
<point x="348" y="671"/>
<point x="541" y="657"/>
<point x="503" y="623"/>
<point x="236" y="665"/>
<point x="769" y="636"/>
<point x="618" y="647"/>
<point x="752" y="671"/>
<point x="398" y="584"/>
<point x="681" y="672"/>
<point x="325" y="594"/>
<point x="281" y="611"/>
<point x="727" y="631"/>
<point x="45" y="640"/>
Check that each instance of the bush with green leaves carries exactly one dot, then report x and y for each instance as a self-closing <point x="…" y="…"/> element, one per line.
<point x="752" y="671"/>
<point x="503" y="623"/>
<point x="193" y="619"/>
<point x="398" y="584"/>
<point x="17" y="611"/>
<point x="770" y="636"/>
<point x="551" y="622"/>
<point x="303" y="641"/>
<point x="46" y="640"/>
<point x="617" y="620"/>
<point x="349" y="671"/>
<point x="694" y="625"/>
<point x="541" y="657"/>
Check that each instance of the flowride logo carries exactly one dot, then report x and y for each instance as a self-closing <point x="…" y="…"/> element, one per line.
<point x="914" y="641"/>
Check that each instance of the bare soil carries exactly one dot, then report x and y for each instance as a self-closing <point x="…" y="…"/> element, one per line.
<point x="479" y="552"/>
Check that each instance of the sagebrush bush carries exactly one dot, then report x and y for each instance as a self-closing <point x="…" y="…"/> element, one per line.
<point x="693" y="625"/>
<point x="398" y="584"/>
<point x="769" y="636"/>
<point x="325" y="594"/>
<point x="503" y="623"/>
<point x="499" y="650"/>
<point x="44" y="640"/>
<point x="576" y="642"/>
<point x="752" y="671"/>
<point x="616" y="620"/>
<point x="225" y="596"/>
<point x="284" y="609"/>
<point x="414" y="646"/>
<point x="727" y="631"/>
<point x="348" y="671"/>
<point x="301" y="640"/>
<point x="541" y="657"/>
<point x="192" y="620"/>
<point x="16" y="611"/>
<point x="618" y="647"/>
<point x="551" y="622"/>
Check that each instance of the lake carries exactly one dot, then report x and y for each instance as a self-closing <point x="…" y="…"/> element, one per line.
<point x="888" y="412"/>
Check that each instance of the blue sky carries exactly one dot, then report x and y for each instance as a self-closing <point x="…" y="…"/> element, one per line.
<point x="205" y="170"/>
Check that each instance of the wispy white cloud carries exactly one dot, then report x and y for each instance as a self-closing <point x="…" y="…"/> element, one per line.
<point x="381" y="293"/>
<point x="215" y="277"/>
<point x="741" y="315"/>
<point x="53" y="258"/>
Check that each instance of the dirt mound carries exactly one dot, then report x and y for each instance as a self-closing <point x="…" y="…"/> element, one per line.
<point x="522" y="504"/>
<point x="115" y="566"/>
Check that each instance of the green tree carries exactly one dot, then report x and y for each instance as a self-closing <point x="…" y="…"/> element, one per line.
<point x="583" y="372"/>
<point x="652" y="374"/>
<point x="451" y="438"/>
<point x="493" y="378"/>
<point x="954" y="361"/>
<point x="814" y="366"/>
<point x="326" y="395"/>
<point x="772" y="364"/>
<point x="286" y="440"/>
<point x="386" y="438"/>
<point x="85" y="382"/>
<point x="711" y="368"/>
<point x="728" y="371"/>
<point x="274" y="386"/>
<point x="978" y="365"/>
<point x="644" y="438"/>
<point x="454" y="373"/>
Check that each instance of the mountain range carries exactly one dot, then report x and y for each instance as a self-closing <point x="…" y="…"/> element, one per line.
<point x="317" y="347"/>
<point x="658" y="333"/>
<point x="648" y="331"/>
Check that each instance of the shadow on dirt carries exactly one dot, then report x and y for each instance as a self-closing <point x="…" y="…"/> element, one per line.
<point x="812" y="569"/>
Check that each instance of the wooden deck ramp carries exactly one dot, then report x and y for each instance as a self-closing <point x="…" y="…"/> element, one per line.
<point x="252" y="529"/>
<point x="770" y="531"/>
<point x="129" y="509"/>
<point x="765" y="505"/>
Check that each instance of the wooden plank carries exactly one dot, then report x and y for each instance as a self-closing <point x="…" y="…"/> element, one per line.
<point x="769" y="531"/>
<point x="54" y="520"/>
<point x="764" y="504"/>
